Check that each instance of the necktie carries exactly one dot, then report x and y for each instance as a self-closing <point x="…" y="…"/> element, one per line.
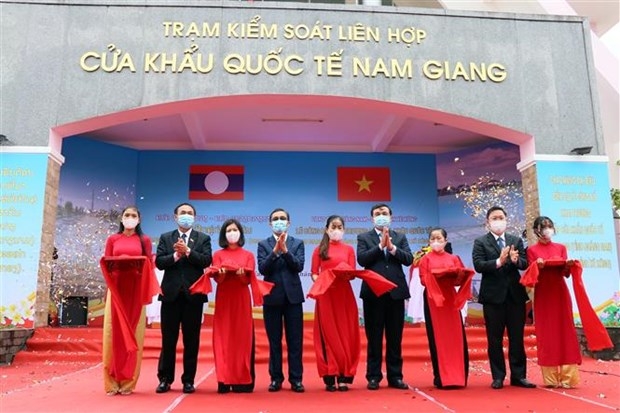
<point x="500" y="242"/>
<point x="184" y="238"/>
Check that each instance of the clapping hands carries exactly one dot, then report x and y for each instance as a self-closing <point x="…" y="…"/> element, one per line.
<point x="386" y="240"/>
<point x="280" y="247"/>
<point x="509" y="252"/>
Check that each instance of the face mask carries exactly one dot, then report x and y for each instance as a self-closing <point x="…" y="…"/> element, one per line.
<point x="437" y="246"/>
<point x="130" y="223"/>
<point x="279" y="226"/>
<point x="382" y="221"/>
<point x="185" y="221"/>
<point x="335" y="234"/>
<point x="548" y="233"/>
<point x="233" y="236"/>
<point x="498" y="227"/>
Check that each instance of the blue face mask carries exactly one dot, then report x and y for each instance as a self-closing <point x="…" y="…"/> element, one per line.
<point x="382" y="221"/>
<point x="185" y="221"/>
<point x="279" y="226"/>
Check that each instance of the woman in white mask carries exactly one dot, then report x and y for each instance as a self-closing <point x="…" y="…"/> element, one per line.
<point x="233" y="326"/>
<point x="556" y="338"/>
<point x="336" y="319"/>
<point x="440" y="273"/>
<point x="127" y="269"/>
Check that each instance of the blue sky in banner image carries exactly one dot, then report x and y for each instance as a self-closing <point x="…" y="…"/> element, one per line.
<point x="462" y="211"/>
<point x="97" y="181"/>
<point x="97" y="175"/>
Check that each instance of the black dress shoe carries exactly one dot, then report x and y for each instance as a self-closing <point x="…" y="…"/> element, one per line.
<point x="330" y="387"/>
<point x="297" y="387"/>
<point x="275" y="386"/>
<point x="522" y="383"/>
<point x="398" y="384"/>
<point x="188" y="388"/>
<point x="373" y="385"/>
<point x="163" y="387"/>
<point x="242" y="388"/>
<point x="497" y="384"/>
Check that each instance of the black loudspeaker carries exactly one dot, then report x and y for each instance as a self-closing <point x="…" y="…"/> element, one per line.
<point x="73" y="311"/>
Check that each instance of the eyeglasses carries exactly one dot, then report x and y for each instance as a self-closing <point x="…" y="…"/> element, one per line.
<point x="279" y="219"/>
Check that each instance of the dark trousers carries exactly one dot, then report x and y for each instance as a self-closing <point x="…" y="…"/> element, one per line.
<point x="384" y="314"/>
<point x="185" y="314"/>
<point x="293" y="318"/>
<point x="509" y="316"/>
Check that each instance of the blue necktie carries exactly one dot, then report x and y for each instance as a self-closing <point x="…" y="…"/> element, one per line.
<point x="184" y="238"/>
<point x="500" y="242"/>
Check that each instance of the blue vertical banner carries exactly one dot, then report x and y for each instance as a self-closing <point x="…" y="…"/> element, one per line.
<point x="22" y="199"/>
<point x="575" y="195"/>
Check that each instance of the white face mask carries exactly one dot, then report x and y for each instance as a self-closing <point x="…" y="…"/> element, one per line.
<point x="548" y="233"/>
<point x="382" y="221"/>
<point x="130" y="223"/>
<point x="438" y="246"/>
<point x="233" y="236"/>
<point x="279" y="226"/>
<point x="335" y="234"/>
<point x="498" y="227"/>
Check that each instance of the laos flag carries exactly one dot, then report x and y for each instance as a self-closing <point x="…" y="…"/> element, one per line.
<point x="216" y="182"/>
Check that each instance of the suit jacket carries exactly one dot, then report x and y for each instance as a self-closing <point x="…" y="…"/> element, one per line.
<point x="371" y="257"/>
<point x="497" y="283"/>
<point x="180" y="275"/>
<point x="282" y="270"/>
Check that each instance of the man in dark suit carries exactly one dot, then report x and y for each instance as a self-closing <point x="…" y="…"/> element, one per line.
<point x="280" y="260"/>
<point x="183" y="254"/>
<point x="384" y="251"/>
<point x="499" y="257"/>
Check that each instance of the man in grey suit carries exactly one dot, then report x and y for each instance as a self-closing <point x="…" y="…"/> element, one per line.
<point x="183" y="254"/>
<point x="280" y="260"/>
<point x="384" y="251"/>
<point x="499" y="257"/>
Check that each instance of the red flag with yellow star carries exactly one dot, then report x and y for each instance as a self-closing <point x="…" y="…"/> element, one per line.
<point x="364" y="184"/>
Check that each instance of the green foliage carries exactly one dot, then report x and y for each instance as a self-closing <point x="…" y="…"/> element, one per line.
<point x="615" y="199"/>
<point x="611" y="315"/>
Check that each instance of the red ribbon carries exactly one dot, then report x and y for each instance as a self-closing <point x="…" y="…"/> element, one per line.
<point x="596" y="335"/>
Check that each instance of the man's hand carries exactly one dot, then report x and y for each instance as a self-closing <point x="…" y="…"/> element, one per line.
<point x="281" y="244"/>
<point x="180" y="247"/>
<point x="386" y="241"/>
<point x="503" y="256"/>
<point x="514" y="254"/>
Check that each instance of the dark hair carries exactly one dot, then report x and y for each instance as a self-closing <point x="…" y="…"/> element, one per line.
<point x="176" y="209"/>
<point x="539" y="222"/>
<point x="278" y="210"/>
<point x="496" y="208"/>
<point x="443" y="232"/>
<point x="223" y="241"/>
<point x="324" y="244"/>
<point x="377" y="206"/>
<point x="448" y="247"/>
<point x="138" y="229"/>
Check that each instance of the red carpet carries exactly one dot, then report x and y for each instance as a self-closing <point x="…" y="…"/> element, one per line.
<point x="60" y="372"/>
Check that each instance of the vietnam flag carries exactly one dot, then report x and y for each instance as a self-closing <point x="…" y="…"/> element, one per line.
<point x="364" y="184"/>
<point x="216" y="182"/>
